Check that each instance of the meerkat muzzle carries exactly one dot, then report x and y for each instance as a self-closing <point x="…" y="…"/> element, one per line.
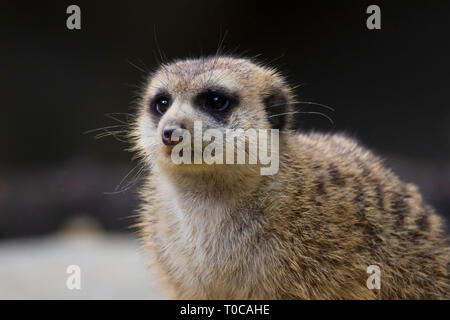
<point x="168" y="135"/>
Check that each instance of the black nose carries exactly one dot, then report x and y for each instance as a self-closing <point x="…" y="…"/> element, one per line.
<point x="167" y="136"/>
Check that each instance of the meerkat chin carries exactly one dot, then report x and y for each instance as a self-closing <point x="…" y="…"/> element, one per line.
<point x="308" y="231"/>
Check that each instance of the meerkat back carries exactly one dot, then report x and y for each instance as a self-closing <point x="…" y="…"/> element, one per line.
<point x="327" y="212"/>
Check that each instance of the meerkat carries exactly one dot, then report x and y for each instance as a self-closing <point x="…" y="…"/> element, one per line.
<point x="310" y="231"/>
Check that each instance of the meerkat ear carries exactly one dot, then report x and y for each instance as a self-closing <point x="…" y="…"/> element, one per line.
<point x="277" y="107"/>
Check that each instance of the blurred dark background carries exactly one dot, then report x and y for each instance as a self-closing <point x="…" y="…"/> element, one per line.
<point x="389" y="88"/>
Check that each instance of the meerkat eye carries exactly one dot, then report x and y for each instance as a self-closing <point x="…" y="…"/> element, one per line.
<point x="160" y="105"/>
<point x="217" y="102"/>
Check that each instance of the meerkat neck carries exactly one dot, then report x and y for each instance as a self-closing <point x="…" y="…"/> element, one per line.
<point x="215" y="184"/>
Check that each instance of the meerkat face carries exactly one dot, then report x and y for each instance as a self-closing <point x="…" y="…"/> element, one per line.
<point x="187" y="98"/>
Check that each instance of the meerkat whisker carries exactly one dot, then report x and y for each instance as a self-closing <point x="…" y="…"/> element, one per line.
<point x="303" y="112"/>
<point x="304" y="102"/>
<point x="120" y="188"/>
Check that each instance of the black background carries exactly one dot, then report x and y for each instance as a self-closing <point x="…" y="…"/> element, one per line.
<point x="389" y="88"/>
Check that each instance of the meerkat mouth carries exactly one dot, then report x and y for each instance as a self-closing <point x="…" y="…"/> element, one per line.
<point x="230" y="147"/>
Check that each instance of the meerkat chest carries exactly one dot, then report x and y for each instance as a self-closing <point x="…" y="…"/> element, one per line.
<point x="199" y="236"/>
<point x="205" y="249"/>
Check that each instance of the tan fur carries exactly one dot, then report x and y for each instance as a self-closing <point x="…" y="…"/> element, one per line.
<point x="308" y="232"/>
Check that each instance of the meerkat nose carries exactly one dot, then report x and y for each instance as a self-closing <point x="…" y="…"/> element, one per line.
<point x="167" y="136"/>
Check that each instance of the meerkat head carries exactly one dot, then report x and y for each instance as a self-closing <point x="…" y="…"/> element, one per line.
<point x="219" y="92"/>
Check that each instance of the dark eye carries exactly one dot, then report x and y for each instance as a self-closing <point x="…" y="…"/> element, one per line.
<point x="161" y="104"/>
<point x="217" y="102"/>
